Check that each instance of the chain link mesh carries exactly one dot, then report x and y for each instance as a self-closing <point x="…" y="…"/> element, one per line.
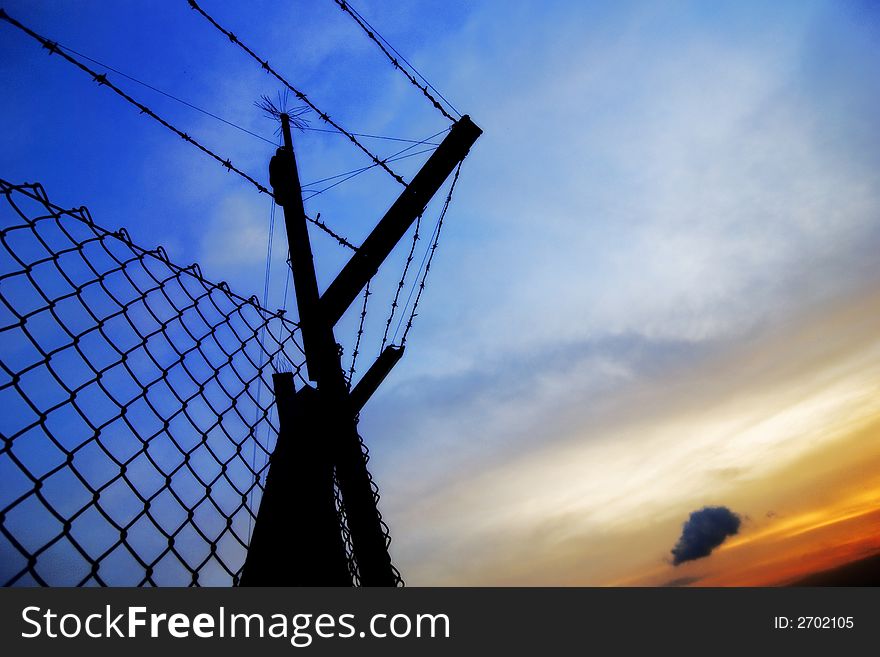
<point x="137" y="404"/>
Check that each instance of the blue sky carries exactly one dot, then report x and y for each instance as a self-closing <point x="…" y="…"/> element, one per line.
<point x="662" y="189"/>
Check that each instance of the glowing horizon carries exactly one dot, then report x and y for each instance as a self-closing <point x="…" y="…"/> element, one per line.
<point x="781" y="453"/>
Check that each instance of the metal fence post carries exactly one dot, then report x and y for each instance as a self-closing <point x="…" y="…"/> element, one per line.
<point x="297" y="540"/>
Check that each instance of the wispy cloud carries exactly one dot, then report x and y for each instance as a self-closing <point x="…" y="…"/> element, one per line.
<point x="624" y="469"/>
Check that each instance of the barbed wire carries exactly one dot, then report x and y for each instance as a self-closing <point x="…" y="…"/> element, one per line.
<point x="299" y="94"/>
<point x="332" y="233"/>
<point x="360" y="333"/>
<point x="430" y="254"/>
<point x="214" y="116"/>
<point x="371" y="32"/>
<point x="103" y="80"/>
<point x="401" y="282"/>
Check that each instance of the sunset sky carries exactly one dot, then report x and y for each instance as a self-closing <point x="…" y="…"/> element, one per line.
<point x="657" y="288"/>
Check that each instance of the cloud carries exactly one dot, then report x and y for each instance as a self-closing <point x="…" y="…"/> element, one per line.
<point x="704" y="531"/>
<point x="575" y="480"/>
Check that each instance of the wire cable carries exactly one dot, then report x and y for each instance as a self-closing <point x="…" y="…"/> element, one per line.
<point x="262" y="353"/>
<point x="391" y="158"/>
<point x="166" y="94"/>
<point x="395" y="157"/>
<point x="360" y="171"/>
<point x="220" y="118"/>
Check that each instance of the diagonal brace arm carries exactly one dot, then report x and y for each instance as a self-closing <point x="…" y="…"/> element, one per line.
<point x="391" y="228"/>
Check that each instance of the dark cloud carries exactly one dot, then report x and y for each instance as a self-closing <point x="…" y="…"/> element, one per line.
<point x="704" y="531"/>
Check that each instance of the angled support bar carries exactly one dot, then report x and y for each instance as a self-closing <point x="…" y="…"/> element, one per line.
<point x="374" y="376"/>
<point x="400" y="216"/>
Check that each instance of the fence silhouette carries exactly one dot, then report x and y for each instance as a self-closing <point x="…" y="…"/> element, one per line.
<point x="138" y="398"/>
<point x="138" y="415"/>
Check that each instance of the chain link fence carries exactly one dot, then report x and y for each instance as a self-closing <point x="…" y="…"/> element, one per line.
<point x="138" y="414"/>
